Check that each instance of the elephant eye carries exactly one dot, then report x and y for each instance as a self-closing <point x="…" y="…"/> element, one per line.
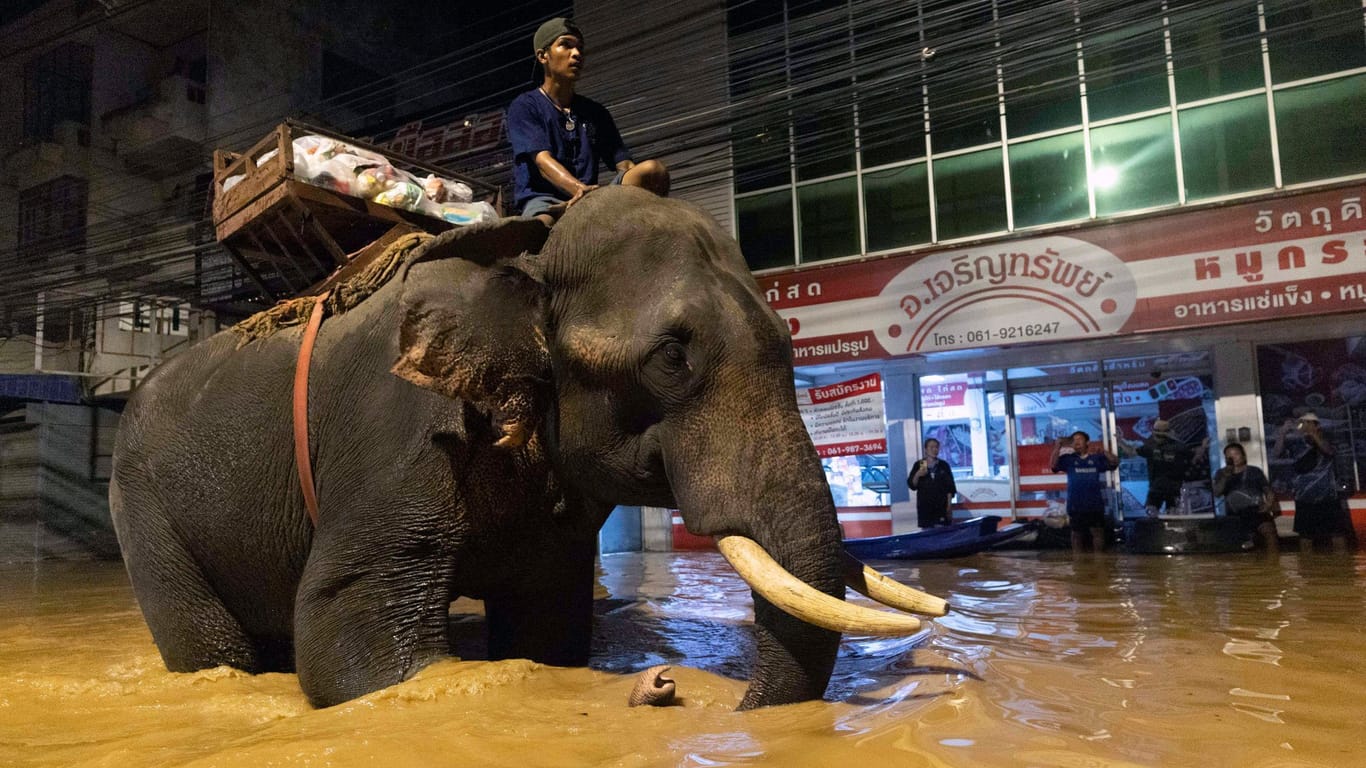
<point x="675" y="353"/>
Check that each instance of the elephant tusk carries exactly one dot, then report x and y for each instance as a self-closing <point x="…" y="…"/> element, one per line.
<point x="866" y="581"/>
<point x="801" y="600"/>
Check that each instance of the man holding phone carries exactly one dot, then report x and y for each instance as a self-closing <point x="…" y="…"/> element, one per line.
<point x="932" y="480"/>
<point x="1085" y="470"/>
<point x="1319" y="514"/>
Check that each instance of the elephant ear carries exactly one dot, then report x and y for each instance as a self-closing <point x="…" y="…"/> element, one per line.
<point x="473" y="332"/>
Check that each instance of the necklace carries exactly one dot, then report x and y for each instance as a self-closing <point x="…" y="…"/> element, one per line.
<point x="568" y="115"/>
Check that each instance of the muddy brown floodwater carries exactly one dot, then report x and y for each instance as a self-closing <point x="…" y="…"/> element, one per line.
<point x="1046" y="661"/>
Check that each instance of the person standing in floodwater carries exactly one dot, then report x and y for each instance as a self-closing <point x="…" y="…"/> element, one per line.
<point x="1248" y="496"/>
<point x="1319" y="516"/>
<point x="1085" y="470"/>
<point x="1169" y="462"/>
<point x="932" y="480"/>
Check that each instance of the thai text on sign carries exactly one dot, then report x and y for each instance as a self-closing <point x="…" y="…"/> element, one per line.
<point x="845" y="418"/>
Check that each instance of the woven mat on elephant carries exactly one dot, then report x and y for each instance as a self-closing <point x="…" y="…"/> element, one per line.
<point x="341" y="297"/>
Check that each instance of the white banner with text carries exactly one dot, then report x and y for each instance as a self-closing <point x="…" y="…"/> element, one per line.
<point x="845" y="418"/>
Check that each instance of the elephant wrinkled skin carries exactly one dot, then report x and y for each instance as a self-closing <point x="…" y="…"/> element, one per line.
<point x="472" y="423"/>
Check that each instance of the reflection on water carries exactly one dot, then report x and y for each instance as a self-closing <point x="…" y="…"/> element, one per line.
<point x="1046" y="661"/>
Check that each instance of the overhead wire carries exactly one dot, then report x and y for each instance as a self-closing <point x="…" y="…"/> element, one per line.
<point x="768" y="74"/>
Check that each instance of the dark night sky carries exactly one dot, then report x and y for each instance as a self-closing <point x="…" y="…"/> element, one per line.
<point x="13" y="9"/>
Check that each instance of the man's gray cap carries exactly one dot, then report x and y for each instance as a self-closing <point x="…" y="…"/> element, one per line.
<point x="549" y="32"/>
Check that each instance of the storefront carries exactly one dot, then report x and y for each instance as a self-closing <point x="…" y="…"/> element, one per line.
<point x="1224" y="321"/>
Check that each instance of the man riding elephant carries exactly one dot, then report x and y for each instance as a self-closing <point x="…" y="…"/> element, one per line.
<point x="472" y="415"/>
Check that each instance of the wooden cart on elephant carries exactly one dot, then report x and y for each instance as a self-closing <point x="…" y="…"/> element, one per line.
<point x="291" y="230"/>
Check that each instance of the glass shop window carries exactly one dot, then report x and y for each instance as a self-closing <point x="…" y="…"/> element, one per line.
<point x="1215" y="51"/>
<point x="896" y="202"/>
<point x="1327" y="378"/>
<point x="1313" y="37"/>
<point x="1042" y="86"/>
<point x="858" y="481"/>
<point x="1319" y="127"/>
<point x="1048" y="180"/>
<point x="825" y="139"/>
<point x="764" y="226"/>
<point x="759" y="136"/>
<point x="963" y="98"/>
<point x="1133" y="165"/>
<point x="891" y="115"/>
<point x="968" y="420"/>
<point x="829" y="216"/>
<point x="970" y="194"/>
<point x="822" y="111"/>
<point x="1226" y="148"/>
<point x="1126" y="70"/>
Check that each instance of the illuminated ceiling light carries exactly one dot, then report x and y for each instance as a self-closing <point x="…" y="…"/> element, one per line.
<point x="1104" y="176"/>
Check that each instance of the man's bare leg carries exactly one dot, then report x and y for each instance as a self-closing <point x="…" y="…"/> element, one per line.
<point x="1268" y="534"/>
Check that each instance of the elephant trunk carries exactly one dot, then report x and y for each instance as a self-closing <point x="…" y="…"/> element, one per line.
<point x="766" y="499"/>
<point x="795" y="658"/>
<point x="770" y="492"/>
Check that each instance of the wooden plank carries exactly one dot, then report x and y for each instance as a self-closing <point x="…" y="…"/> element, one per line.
<point x="251" y="234"/>
<point x="289" y="255"/>
<point x="251" y="272"/>
<point x="338" y="255"/>
<point x="257" y="179"/>
<point x="228" y="227"/>
<point x="361" y="259"/>
<point x="300" y="239"/>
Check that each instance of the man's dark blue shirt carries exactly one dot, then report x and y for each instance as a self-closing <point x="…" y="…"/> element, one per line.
<point x="535" y="124"/>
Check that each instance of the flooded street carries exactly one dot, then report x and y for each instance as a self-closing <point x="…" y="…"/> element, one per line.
<point x="1045" y="661"/>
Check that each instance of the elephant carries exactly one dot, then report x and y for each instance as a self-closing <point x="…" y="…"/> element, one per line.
<point x="471" y="422"/>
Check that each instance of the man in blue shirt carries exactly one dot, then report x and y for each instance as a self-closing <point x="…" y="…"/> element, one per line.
<point x="559" y="138"/>
<point x="1085" y="480"/>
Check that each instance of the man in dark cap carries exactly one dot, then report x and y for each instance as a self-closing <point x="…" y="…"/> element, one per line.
<point x="559" y="138"/>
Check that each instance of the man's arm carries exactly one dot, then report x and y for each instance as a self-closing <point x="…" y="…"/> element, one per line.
<point x="1279" y="447"/>
<point x="951" y="488"/>
<point x="1053" y="457"/>
<point x="555" y="173"/>
<point x="1221" y="478"/>
<point x="1112" y="459"/>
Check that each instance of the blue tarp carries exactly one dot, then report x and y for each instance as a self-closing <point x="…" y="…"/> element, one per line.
<point x="50" y="388"/>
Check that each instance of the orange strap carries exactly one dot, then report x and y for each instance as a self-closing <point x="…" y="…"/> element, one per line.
<point x="301" y="458"/>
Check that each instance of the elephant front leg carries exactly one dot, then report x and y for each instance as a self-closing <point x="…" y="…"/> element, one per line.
<point x="549" y="620"/>
<point x="367" y="624"/>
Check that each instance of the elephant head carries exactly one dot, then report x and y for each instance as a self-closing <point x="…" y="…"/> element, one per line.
<point x="666" y="380"/>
